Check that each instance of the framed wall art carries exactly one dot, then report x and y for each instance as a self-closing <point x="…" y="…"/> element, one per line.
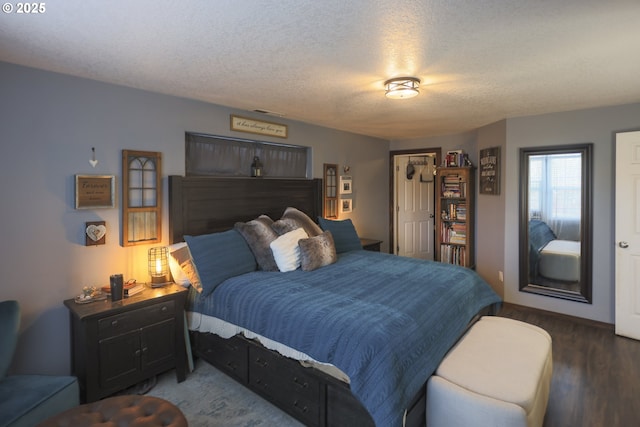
<point x="95" y="191"/>
<point x="346" y="184"/>
<point x="490" y="171"/>
<point x="346" y="205"/>
<point x="260" y="127"/>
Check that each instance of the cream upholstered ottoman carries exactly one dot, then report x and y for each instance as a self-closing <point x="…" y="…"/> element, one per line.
<point x="498" y="375"/>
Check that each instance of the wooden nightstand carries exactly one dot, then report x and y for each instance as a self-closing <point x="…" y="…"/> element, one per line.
<point x="118" y="344"/>
<point x="370" y="244"/>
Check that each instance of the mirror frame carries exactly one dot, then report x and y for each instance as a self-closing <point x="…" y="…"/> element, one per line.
<point x="585" y="293"/>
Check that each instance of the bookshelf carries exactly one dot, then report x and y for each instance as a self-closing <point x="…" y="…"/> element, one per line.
<point x="455" y="197"/>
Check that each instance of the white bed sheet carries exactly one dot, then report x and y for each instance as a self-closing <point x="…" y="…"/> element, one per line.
<point x="202" y="323"/>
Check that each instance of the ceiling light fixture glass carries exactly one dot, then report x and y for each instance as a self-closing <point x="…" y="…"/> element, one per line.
<point x="402" y="87"/>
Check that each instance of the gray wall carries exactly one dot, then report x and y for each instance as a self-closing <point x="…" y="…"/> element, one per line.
<point x="599" y="127"/>
<point x="497" y="220"/>
<point x="491" y="213"/>
<point x="48" y="125"/>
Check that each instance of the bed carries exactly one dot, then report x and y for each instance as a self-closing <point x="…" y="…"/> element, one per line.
<point x="349" y="343"/>
<point x="550" y="257"/>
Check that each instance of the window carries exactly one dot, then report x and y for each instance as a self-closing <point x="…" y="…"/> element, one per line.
<point x="221" y="156"/>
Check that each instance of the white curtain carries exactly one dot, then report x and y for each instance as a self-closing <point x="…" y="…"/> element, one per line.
<point x="220" y="156"/>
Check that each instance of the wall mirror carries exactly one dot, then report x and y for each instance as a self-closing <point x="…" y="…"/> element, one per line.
<point x="555" y="221"/>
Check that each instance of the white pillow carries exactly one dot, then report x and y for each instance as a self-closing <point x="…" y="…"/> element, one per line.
<point x="182" y="268"/>
<point x="286" y="251"/>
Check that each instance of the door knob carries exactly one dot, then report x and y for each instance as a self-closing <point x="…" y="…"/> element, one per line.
<point x="623" y="245"/>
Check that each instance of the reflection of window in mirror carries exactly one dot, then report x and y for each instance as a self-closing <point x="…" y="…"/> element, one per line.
<point x="141" y="198"/>
<point x="555" y="221"/>
<point x="555" y="194"/>
<point x="330" y="208"/>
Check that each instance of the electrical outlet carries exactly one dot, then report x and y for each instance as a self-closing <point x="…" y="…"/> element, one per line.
<point x="500" y="276"/>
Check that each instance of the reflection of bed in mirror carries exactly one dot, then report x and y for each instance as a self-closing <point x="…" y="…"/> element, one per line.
<point x="552" y="258"/>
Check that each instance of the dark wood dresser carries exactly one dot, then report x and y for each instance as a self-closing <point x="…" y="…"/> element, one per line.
<point x="370" y="244"/>
<point x="116" y="344"/>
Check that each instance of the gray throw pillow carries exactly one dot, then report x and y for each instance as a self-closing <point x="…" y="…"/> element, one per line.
<point x="317" y="251"/>
<point x="259" y="235"/>
<point x="303" y="220"/>
<point x="285" y="225"/>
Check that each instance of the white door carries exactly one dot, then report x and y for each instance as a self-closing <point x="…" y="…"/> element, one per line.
<point x="414" y="207"/>
<point x="627" y="234"/>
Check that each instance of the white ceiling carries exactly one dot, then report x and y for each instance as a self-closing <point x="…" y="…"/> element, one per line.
<point x="325" y="61"/>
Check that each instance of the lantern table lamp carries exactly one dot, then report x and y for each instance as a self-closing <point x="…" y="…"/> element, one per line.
<point x="158" y="266"/>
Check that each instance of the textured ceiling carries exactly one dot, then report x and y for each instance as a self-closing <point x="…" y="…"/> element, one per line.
<point x="324" y="62"/>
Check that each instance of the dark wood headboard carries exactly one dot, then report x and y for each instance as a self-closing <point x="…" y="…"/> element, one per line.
<point x="201" y="205"/>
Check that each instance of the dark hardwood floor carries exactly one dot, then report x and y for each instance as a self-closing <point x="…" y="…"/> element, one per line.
<point x="596" y="374"/>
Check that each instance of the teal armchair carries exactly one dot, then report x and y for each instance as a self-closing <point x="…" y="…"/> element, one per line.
<point x="26" y="400"/>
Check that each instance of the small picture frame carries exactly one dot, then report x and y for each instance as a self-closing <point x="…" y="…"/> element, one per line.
<point x="95" y="233"/>
<point x="346" y="205"/>
<point x="95" y="191"/>
<point x="346" y="184"/>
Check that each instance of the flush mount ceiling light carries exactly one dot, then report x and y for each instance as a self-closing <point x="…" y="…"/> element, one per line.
<point x="402" y="87"/>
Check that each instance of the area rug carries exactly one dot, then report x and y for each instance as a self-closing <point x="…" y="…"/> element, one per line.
<point x="209" y="398"/>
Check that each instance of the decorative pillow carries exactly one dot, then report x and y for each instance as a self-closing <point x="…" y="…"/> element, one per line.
<point x="317" y="251"/>
<point x="344" y="234"/>
<point x="258" y="235"/>
<point x="219" y="256"/>
<point x="303" y="219"/>
<point x="286" y="250"/>
<point x="181" y="265"/>
<point x="285" y="225"/>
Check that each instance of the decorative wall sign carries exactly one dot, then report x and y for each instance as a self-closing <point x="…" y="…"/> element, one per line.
<point x="490" y="170"/>
<point x="95" y="191"/>
<point x="260" y="127"/>
<point x="95" y="233"/>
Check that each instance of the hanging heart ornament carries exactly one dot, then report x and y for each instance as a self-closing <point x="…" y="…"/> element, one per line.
<point x="96" y="232"/>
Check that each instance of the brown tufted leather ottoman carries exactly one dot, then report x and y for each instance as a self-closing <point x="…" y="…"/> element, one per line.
<point x="121" y="411"/>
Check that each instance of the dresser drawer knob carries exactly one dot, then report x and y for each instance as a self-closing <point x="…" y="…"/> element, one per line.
<point x="302" y="384"/>
<point x="261" y="362"/>
<point x="164" y="309"/>
<point x="114" y="323"/>
<point x="304" y="409"/>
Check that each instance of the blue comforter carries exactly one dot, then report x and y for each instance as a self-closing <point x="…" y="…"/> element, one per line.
<point x="384" y="320"/>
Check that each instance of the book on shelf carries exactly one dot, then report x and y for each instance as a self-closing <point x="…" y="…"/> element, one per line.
<point x="453" y="187"/>
<point x="453" y="233"/>
<point x="453" y="255"/>
<point x="456" y="158"/>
